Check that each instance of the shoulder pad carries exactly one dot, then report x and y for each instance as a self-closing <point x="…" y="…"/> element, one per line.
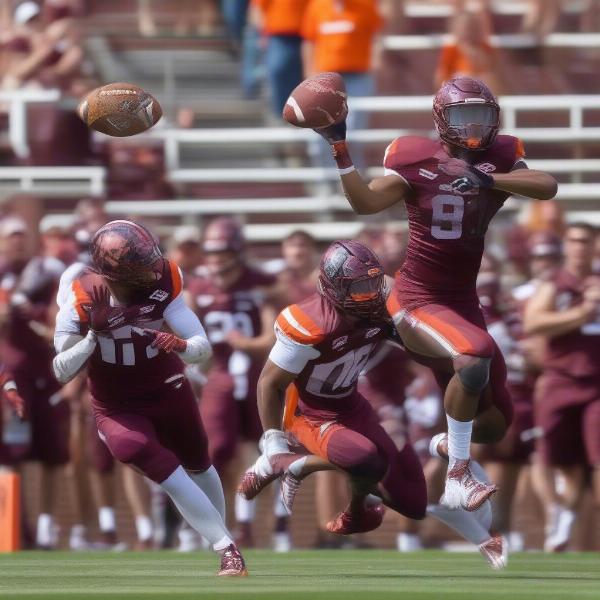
<point x="409" y="150"/>
<point x="296" y="324"/>
<point x="510" y="144"/>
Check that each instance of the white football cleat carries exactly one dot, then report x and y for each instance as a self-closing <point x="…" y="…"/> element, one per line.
<point x="495" y="551"/>
<point x="463" y="490"/>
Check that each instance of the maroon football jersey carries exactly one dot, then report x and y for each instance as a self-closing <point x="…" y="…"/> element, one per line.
<point x="26" y="347"/>
<point x="327" y="385"/>
<point x="386" y="377"/>
<point x="235" y="309"/>
<point x="574" y="354"/>
<point x="124" y="367"/>
<point x="446" y="228"/>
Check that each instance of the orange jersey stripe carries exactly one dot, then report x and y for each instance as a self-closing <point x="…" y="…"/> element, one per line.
<point x="176" y="278"/>
<point x="81" y="298"/>
<point x="298" y="326"/>
<point x="291" y="403"/>
<point x="456" y="339"/>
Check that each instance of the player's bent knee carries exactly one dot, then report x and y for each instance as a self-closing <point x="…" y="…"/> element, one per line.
<point x="365" y="463"/>
<point x="473" y="372"/>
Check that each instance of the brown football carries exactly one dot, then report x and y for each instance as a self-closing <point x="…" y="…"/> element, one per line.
<point x="119" y="109"/>
<point x="317" y="102"/>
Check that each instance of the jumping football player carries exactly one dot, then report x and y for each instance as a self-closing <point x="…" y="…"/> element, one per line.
<point x="144" y="407"/>
<point x="452" y="187"/>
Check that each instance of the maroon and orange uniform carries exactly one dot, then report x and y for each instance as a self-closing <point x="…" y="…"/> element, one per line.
<point x="567" y="407"/>
<point x="324" y="410"/>
<point x="144" y="408"/>
<point x="27" y="352"/>
<point x="228" y="405"/>
<point x="435" y="287"/>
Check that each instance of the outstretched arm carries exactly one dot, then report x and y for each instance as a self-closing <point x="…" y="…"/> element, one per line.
<point x="365" y="198"/>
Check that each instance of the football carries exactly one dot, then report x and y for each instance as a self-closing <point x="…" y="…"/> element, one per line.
<point x="317" y="102"/>
<point x="119" y="110"/>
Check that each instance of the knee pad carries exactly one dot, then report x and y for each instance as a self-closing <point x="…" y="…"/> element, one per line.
<point x="475" y="374"/>
<point x="369" y="465"/>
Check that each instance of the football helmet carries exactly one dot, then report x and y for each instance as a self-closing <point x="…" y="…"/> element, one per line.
<point x="126" y="252"/>
<point x="352" y="279"/>
<point x="466" y="114"/>
<point x="222" y="235"/>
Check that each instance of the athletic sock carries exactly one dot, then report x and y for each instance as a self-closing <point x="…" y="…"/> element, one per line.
<point x="245" y="510"/>
<point x="459" y="439"/>
<point x="44" y="534"/>
<point x="144" y="528"/>
<point x="106" y="519"/>
<point x="279" y="509"/>
<point x="462" y="521"/>
<point x="210" y="483"/>
<point x="484" y="515"/>
<point x="408" y="542"/>
<point x="197" y="509"/>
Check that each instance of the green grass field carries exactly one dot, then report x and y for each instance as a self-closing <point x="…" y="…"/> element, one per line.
<point x="368" y="574"/>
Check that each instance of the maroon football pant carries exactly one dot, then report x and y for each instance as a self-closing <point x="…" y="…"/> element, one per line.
<point x="356" y="443"/>
<point x="226" y="419"/>
<point x="568" y="412"/>
<point x="155" y="434"/>
<point x="49" y="416"/>
<point x="435" y="334"/>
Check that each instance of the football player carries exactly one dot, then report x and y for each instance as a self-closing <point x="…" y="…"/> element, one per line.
<point x="565" y="310"/>
<point x="144" y="407"/>
<point x="323" y="344"/>
<point x="232" y="300"/>
<point x="452" y="187"/>
<point x="28" y="287"/>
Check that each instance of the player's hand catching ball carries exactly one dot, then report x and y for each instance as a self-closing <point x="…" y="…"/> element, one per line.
<point x="167" y="342"/>
<point x="468" y="177"/>
<point x="102" y="316"/>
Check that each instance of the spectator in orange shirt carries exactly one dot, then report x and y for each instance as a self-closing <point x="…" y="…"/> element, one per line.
<point x="280" y="21"/>
<point x="340" y="35"/>
<point x="470" y="53"/>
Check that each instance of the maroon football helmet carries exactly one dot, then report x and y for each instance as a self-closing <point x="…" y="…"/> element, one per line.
<point x="222" y="235"/>
<point x="466" y="114"/>
<point x="352" y="279"/>
<point x="126" y="252"/>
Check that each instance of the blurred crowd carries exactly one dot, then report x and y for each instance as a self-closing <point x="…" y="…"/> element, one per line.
<point x="75" y="467"/>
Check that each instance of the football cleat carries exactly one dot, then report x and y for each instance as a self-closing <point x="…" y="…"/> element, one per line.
<point x="347" y="523"/>
<point x="254" y="482"/>
<point x="232" y="563"/>
<point x="495" y="551"/>
<point x="463" y="490"/>
<point x="290" y="484"/>
<point x="263" y="472"/>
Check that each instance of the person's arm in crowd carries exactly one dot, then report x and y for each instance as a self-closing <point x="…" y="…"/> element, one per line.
<point x="542" y="318"/>
<point x="260" y="344"/>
